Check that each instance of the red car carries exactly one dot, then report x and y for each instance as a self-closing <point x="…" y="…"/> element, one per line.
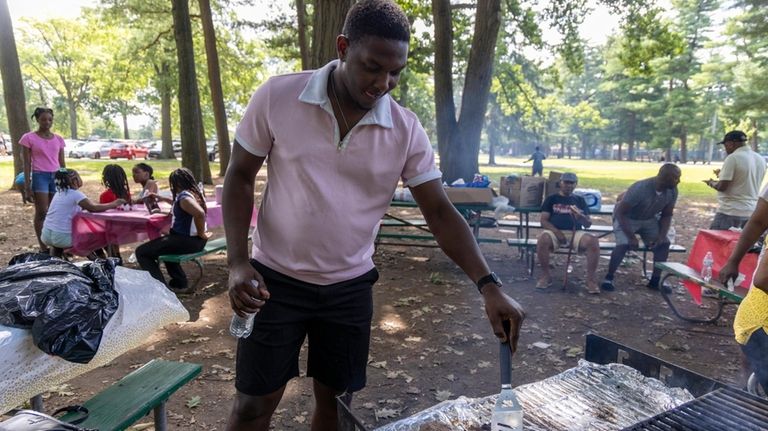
<point x="128" y="151"/>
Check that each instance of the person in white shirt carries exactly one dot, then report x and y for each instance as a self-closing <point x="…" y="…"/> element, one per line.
<point x="738" y="182"/>
<point x="68" y="201"/>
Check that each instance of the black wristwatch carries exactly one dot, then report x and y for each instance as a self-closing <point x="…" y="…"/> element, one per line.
<point x="490" y="278"/>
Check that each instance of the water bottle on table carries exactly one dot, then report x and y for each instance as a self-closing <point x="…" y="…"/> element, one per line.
<point x="241" y="327"/>
<point x="706" y="267"/>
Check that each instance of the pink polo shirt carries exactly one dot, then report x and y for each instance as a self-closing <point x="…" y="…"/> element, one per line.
<point x="323" y="201"/>
<point x="45" y="152"/>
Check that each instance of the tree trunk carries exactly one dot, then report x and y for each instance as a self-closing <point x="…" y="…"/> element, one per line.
<point x="125" y="125"/>
<point x="618" y="157"/>
<point x="459" y="157"/>
<point x="214" y="79"/>
<point x="301" y="18"/>
<point x="753" y="141"/>
<point x="13" y="86"/>
<point x="72" y="116"/>
<point x="164" y="88"/>
<point x="327" y="25"/>
<point x="445" y="110"/>
<point x="711" y="141"/>
<point x="193" y="151"/>
<point x="684" y="146"/>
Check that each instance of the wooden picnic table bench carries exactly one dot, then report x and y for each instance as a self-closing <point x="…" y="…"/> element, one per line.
<point x="685" y="272"/>
<point x="132" y="397"/>
<point x="529" y="245"/>
<point x="212" y="246"/>
<point x="596" y="228"/>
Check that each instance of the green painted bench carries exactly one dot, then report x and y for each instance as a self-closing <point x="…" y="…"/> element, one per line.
<point x="596" y="228"/>
<point x="212" y="246"/>
<point x="529" y="247"/>
<point x="130" y="399"/>
<point x="684" y="272"/>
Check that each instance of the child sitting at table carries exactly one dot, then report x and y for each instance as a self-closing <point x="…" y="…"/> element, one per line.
<point x="68" y="201"/>
<point x="188" y="230"/>
<point x="142" y="174"/>
<point x="114" y="179"/>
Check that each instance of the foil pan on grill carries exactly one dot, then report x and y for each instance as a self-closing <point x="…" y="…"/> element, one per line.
<point x="587" y="397"/>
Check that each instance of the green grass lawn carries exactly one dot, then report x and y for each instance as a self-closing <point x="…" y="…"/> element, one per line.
<point x="90" y="170"/>
<point x="609" y="176"/>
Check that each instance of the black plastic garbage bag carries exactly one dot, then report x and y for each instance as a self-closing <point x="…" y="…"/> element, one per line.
<point x="66" y="307"/>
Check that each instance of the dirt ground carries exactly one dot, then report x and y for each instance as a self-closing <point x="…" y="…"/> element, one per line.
<point x="431" y="340"/>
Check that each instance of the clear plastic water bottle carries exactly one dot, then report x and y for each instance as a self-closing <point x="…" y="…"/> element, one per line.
<point x="241" y="327"/>
<point x="706" y="267"/>
<point x="570" y="268"/>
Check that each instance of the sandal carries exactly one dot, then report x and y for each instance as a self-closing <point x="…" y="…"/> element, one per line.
<point x="591" y="287"/>
<point x="543" y="283"/>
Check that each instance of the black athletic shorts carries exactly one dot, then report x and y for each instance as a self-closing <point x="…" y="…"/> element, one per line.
<point x="335" y="318"/>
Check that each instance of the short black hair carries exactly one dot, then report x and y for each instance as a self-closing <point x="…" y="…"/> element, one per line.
<point x="382" y="18"/>
<point x="40" y="111"/>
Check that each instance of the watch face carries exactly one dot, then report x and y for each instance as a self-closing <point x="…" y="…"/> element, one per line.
<point x="495" y="278"/>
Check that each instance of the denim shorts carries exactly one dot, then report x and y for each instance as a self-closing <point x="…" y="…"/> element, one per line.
<point x="756" y="351"/>
<point x="42" y="182"/>
<point x="335" y="318"/>
<point x="56" y="239"/>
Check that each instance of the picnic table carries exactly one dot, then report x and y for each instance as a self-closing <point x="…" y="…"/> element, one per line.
<point x="524" y="223"/>
<point x="721" y="243"/>
<point x="92" y="231"/>
<point x="472" y="214"/>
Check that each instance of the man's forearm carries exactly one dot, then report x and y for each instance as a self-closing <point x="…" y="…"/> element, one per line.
<point x="237" y="208"/>
<point x="664" y="223"/>
<point x="456" y="240"/>
<point x="749" y="236"/>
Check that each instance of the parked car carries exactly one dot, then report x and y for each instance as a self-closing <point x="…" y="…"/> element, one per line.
<point x="212" y="148"/>
<point x="73" y="147"/>
<point x="156" y="147"/>
<point x="128" y="151"/>
<point x="89" y="149"/>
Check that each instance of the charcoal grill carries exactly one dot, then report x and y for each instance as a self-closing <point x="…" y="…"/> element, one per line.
<point x="716" y="408"/>
<point x="722" y="409"/>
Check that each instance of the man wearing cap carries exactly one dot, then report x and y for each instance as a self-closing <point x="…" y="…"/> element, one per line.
<point x="560" y="212"/>
<point x="738" y="182"/>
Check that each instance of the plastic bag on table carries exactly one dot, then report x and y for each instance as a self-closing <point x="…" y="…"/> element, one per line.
<point x="66" y="307"/>
<point x="145" y="306"/>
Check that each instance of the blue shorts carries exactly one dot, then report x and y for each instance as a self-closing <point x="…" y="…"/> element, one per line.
<point x="756" y="351"/>
<point x="42" y="182"/>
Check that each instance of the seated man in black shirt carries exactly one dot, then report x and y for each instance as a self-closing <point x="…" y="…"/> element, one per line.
<point x="561" y="213"/>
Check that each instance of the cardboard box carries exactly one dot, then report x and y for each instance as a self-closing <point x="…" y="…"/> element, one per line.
<point x="470" y="195"/>
<point x="525" y="191"/>
<point x="553" y="183"/>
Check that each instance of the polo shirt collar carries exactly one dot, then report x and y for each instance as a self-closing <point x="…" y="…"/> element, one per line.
<point x="315" y="93"/>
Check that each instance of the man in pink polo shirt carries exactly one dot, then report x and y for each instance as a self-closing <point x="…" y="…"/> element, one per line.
<point x="337" y="145"/>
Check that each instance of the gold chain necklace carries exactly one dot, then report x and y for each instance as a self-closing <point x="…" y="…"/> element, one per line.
<point x="341" y="111"/>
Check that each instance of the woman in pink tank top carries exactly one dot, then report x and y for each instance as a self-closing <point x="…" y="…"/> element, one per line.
<point x="43" y="153"/>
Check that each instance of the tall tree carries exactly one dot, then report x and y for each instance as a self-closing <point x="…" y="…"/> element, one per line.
<point x="214" y="79"/>
<point x="459" y="138"/>
<point x="63" y="54"/>
<point x="13" y="86"/>
<point x="328" y="22"/>
<point x="193" y="154"/>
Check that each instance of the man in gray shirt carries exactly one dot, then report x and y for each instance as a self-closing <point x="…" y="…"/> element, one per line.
<point x="646" y="209"/>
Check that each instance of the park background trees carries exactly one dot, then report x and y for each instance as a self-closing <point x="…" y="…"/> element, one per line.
<point x="491" y="76"/>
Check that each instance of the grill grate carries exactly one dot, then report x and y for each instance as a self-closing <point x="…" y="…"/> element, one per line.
<point x="722" y="409"/>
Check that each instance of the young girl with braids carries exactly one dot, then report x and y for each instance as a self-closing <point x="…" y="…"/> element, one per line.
<point x="188" y="230"/>
<point x="114" y="179"/>
<point x="68" y="201"/>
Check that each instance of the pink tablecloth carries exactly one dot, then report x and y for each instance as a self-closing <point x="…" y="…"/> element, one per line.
<point x="91" y="231"/>
<point x="721" y="243"/>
